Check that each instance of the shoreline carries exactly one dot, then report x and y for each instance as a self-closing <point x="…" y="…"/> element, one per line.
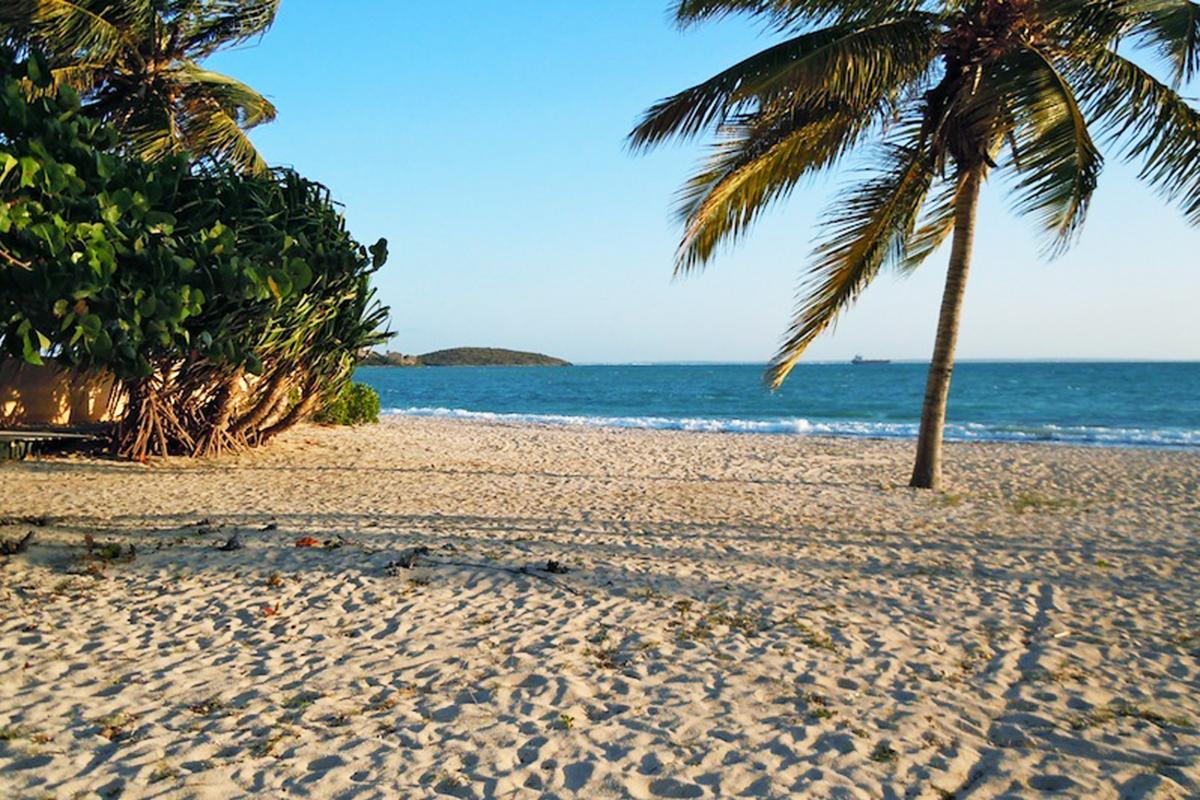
<point x="768" y="427"/>
<point x="763" y="615"/>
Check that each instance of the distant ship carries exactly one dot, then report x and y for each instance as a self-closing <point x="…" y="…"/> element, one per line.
<point x="859" y="361"/>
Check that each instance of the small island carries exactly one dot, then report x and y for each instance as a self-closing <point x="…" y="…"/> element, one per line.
<point x="464" y="357"/>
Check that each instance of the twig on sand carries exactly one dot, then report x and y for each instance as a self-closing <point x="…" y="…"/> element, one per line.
<point x="408" y="560"/>
<point x="10" y="547"/>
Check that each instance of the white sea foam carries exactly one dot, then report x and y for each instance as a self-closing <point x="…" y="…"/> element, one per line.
<point x="1079" y="434"/>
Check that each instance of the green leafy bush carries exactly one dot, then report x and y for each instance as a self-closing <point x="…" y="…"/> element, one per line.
<point x="353" y="404"/>
<point x="212" y="296"/>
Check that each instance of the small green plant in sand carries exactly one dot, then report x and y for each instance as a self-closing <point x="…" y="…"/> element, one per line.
<point x="265" y="746"/>
<point x="740" y="621"/>
<point x="106" y="553"/>
<point x="13" y="732"/>
<point x="300" y="701"/>
<point x="565" y="722"/>
<point x="1063" y="673"/>
<point x="1123" y="709"/>
<point x="606" y="657"/>
<point x="818" y="706"/>
<point x="692" y="625"/>
<point x="818" y="640"/>
<point x="1032" y="501"/>
<point x="350" y="404"/>
<point x="207" y="706"/>
<point x="164" y="771"/>
<point x="884" y="753"/>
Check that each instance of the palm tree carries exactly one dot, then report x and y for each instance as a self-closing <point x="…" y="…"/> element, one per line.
<point x="944" y="94"/>
<point x="137" y="65"/>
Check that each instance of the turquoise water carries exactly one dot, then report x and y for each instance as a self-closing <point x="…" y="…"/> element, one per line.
<point x="1118" y="404"/>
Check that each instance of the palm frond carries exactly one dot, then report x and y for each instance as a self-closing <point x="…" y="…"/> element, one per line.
<point x="81" y="27"/>
<point x="849" y="64"/>
<point x="239" y="101"/>
<point x="1148" y="121"/>
<point x="225" y="23"/>
<point x="209" y="129"/>
<point x="867" y="229"/>
<point x="1173" y="29"/>
<point x="83" y="78"/>
<point x="936" y="224"/>
<point x="1091" y="23"/>
<point x="1056" y="161"/>
<point x="152" y="134"/>
<point x="756" y="164"/>
<point x="784" y="14"/>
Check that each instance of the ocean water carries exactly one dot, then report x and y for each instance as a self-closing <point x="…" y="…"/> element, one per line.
<point x="1113" y="404"/>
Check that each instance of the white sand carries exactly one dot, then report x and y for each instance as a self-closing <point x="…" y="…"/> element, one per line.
<point x="746" y="616"/>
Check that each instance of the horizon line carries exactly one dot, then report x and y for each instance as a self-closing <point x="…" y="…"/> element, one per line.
<point x="847" y="362"/>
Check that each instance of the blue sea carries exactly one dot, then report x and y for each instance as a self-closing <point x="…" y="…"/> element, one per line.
<point x="1110" y="404"/>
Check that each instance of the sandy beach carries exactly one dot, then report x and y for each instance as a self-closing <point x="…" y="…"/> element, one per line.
<point x="726" y="616"/>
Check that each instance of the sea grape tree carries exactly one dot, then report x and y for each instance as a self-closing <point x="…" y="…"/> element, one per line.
<point x="225" y="303"/>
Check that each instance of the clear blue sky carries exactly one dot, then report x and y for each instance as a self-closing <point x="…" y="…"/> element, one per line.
<point x="485" y="141"/>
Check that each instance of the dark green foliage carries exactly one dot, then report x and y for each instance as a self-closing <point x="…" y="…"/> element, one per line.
<point x="137" y="65"/>
<point x="210" y="294"/>
<point x="352" y="404"/>
<point x="464" y="357"/>
<point x="469" y="357"/>
<point x="488" y="357"/>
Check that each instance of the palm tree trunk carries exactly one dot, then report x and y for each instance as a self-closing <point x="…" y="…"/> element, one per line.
<point x="927" y="473"/>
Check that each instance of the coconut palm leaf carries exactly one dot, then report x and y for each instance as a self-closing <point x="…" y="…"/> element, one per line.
<point x="846" y="64"/>
<point x="210" y="129"/>
<point x="867" y="229"/>
<point x="237" y="99"/>
<point x="783" y="14"/>
<point x="83" y="78"/>
<point x="935" y="226"/>
<point x="1056" y="162"/>
<point x="1173" y="28"/>
<point x="755" y="165"/>
<point x="136" y="65"/>
<point x="226" y="23"/>
<point x="84" y="26"/>
<point x="1151" y="124"/>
